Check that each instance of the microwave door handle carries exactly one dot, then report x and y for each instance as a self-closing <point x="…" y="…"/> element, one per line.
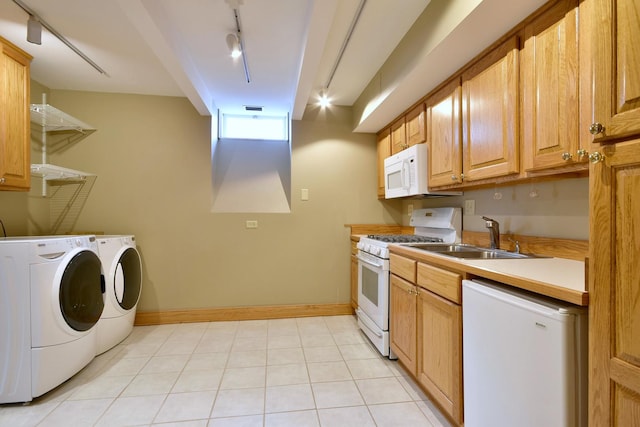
<point x="406" y="180"/>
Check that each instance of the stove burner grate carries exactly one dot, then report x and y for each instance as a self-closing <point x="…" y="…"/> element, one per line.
<point x="404" y="238"/>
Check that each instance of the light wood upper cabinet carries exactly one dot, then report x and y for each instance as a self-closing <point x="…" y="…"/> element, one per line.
<point x="490" y="117"/>
<point x="443" y="136"/>
<point x="408" y="130"/>
<point x="384" y="151"/>
<point x="616" y="69"/>
<point x="15" y="140"/>
<point x="398" y="136"/>
<point x="415" y="126"/>
<point x="402" y="325"/>
<point x="550" y="86"/>
<point x="614" y="288"/>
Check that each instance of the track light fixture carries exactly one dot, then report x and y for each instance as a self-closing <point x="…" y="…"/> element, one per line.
<point x="324" y="100"/>
<point x="34" y="30"/>
<point x="240" y="51"/>
<point x="34" y="34"/>
<point x="234" y="45"/>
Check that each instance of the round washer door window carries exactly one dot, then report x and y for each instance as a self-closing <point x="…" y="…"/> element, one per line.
<point x="81" y="298"/>
<point x="128" y="279"/>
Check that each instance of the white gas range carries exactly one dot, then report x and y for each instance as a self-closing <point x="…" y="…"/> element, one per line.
<point x="436" y="225"/>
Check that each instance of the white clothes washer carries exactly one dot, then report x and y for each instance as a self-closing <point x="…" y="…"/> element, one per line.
<point x="50" y="301"/>
<point x="122" y="271"/>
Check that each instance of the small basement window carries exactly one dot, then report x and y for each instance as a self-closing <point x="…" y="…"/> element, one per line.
<point x="238" y="126"/>
<point x="251" y="164"/>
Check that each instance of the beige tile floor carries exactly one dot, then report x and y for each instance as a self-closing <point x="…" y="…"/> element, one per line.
<point x="315" y="371"/>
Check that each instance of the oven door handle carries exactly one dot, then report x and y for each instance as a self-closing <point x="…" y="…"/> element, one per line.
<point x="366" y="323"/>
<point x="366" y="261"/>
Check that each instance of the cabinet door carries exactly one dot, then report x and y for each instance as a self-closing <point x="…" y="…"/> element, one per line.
<point x="443" y="130"/>
<point x="550" y="84"/>
<point x="616" y="68"/>
<point x="384" y="151"/>
<point x="414" y="123"/>
<point x="490" y="115"/>
<point x="402" y="321"/>
<point x="440" y="351"/>
<point x="354" y="282"/>
<point x="614" y="287"/>
<point x="15" y="169"/>
<point x="398" y="136"/>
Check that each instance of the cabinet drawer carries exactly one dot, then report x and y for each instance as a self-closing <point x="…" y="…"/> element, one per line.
<point x="403" y="267"/>
<point x="441" y="282"/>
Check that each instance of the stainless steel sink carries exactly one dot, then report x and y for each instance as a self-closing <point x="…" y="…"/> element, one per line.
<point x="471" y="252"/>
<point x="487" y="254"/>
<point x="445" y="248"/>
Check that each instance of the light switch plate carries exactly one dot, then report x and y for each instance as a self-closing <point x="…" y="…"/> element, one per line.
<point x="409" y="209"/>
<point x="304" y="194"/>
<point x="469" y="207"/>
<point x="252" y="224"/>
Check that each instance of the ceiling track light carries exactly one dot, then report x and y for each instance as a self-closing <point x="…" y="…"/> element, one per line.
<point x="34" y="30"/>
<point x="34" y="33"/>
<point x="324" y="100"/>
<point x="352" y="27"/>
<point x="236" y="13"/>
<point x="235" y="7"/>
<point x="234" y="45"/>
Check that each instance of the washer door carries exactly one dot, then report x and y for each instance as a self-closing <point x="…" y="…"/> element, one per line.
<point x="80" y="297"/>
<point x="128" y="279"/>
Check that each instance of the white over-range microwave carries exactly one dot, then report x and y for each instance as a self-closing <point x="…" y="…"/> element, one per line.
<point x="405" y="174"/>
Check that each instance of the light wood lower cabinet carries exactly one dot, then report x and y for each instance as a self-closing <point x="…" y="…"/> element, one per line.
<point x="426" y="329"/>
<point x="614" y="288"/>
<point x="354" y="276"/>
<point x="440" y="351"/>
<point x="402" y="328"/>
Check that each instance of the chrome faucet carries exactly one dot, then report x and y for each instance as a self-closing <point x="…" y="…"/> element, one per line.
<point x="494" y="232"/>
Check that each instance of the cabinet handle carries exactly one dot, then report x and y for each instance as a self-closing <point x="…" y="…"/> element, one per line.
<point x="566" y="156"/>
<point x="454" y="178"/>
<point x="582" y="153"/>
<point x="596" y="128"/>
<point x="596" y="157"/>
<point x="2" y="180"/>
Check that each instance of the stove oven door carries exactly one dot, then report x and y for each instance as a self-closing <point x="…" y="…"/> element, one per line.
<point x="373" y="289"/>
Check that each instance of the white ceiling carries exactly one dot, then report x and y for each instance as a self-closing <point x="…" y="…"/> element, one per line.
<point x="178" y="48"/>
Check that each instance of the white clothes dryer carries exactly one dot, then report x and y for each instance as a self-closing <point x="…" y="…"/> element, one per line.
<point x="50" y="301"/>
<point x="122" y="271"/>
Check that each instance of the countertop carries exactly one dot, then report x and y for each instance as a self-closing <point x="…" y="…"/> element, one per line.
<point x="559" y="278"/>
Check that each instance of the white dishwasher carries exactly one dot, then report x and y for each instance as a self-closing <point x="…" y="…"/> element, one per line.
<point x="524" y="358"/>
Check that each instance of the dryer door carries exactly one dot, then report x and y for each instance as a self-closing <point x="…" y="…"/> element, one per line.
<point x="128" y="279"/>
<point x="81" y="299"/>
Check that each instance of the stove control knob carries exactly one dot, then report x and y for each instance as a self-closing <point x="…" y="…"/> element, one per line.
<point x="360" y="245"/>
<point x="384" y="253"/>
<point x="375" y="250"/>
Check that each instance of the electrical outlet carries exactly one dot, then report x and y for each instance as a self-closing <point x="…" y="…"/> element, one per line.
<point x="469" y="207"/>
<point x="304" y="194"/>
<point x="410" y="209"/>
<point x="252" y="224"/>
